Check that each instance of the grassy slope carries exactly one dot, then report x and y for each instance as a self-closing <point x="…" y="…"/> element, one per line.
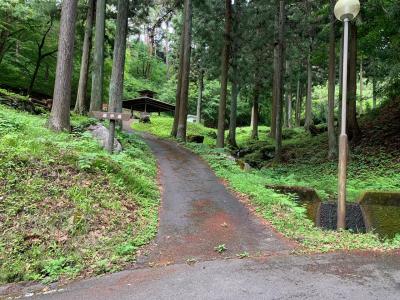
<point x="68" y="208"/>
<point x="306" y="166"/>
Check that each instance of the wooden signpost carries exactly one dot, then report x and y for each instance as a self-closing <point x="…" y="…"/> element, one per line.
<point x="113" y="117"/>
<point x="103" y="115"/>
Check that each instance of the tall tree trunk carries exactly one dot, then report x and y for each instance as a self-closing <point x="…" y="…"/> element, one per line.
<point x="279" y="85"/>
<point x="332" y="138"/>
<point x="167" y="63"/>
<point x="361" y="87"/>
<point x="224" y="74"/>
<point x="309" y="120"/>
<point x="174" y="129"/>
<point x="118" y="68"/>
<point x="274" y="80"/>
<point x="200" y="96"/>
<point x="353" y="130"/>
<point x="289" y="106"/>
<point x="373" y="93"/>
<point x="96" y="99"/>
<point x="81" y="105"/>
<point x="233" y="113"/>
<point x="59" y="117"/>
<point x="252" y="116"/>
<point x="236" y="45"/>
<point x="184" y="101"/>
<point x="256" y="112"/>
<point x="298" y="105"/>
<point x="117" y="73"/>
<point x="286" y="97"/>
<point x="285" y="110"/>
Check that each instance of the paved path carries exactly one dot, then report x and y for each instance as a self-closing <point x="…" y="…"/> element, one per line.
<point x="329" y="276"/>
<point x="197" y="214"/>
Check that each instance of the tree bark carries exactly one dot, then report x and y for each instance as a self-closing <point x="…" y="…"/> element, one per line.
<point x="373" y="93"/>
<point x="233" y="113"/>
<point x="298" y="105"/>
<point x="285" y="111"/>
<point x="96" y="99"/>
<point x="332" y="138"/>
<point x="81" y="105"/>
<point x="184" y="101"/>
<point x="59" y="117"/>
<point x="353" y="130"/>
<point x="167" y="63"/>
<point x="200" y="96"/>
<point x="286" y="97"/>
<point x="361" y="87"/>
<point x="224" y="74"/>
<point x="174" y="129"/>
<point x="255" y="112"/>
<point x="289" y="106"/>
<point x="309" y="120"/>
<point x="279" y="85"/>
<point x="252" y="116"/>
<point x="236" y="45"/>
<point x="274" y="80"/>
<point x="117" y="73"/>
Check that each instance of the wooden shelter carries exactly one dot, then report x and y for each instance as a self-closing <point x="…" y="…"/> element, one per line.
<point x="147" y="103"/>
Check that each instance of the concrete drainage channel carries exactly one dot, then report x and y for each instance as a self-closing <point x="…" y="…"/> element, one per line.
<point x="374" y="211"/>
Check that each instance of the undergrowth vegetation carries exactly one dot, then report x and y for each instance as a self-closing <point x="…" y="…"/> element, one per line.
<point x="68" y="208"/>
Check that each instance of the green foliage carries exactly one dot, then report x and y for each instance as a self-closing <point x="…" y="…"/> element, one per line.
<point x="77" y="208"/>
<point x="242" y="255"/>
<point x="220" y="248"/>
<point x="143" y="71"/>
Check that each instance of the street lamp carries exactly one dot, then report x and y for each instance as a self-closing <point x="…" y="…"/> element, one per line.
<point x="345" y="10"/>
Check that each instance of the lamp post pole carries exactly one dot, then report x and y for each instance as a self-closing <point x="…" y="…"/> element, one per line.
<point x="343" y="140"/>
<point x="345" y="10"/>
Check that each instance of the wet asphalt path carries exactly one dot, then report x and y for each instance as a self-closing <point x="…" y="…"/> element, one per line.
<point x="331" y="276"/>
<point x="198" y="213"/>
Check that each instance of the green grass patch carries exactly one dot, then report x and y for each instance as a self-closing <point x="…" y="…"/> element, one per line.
<point x="67" y="207"/>
<point x="161" y="126"/>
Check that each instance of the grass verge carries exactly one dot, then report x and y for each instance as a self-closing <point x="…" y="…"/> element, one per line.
<point x="67" y="208"/>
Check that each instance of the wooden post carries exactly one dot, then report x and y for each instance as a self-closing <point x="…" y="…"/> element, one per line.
<point x="111" y="136"/>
